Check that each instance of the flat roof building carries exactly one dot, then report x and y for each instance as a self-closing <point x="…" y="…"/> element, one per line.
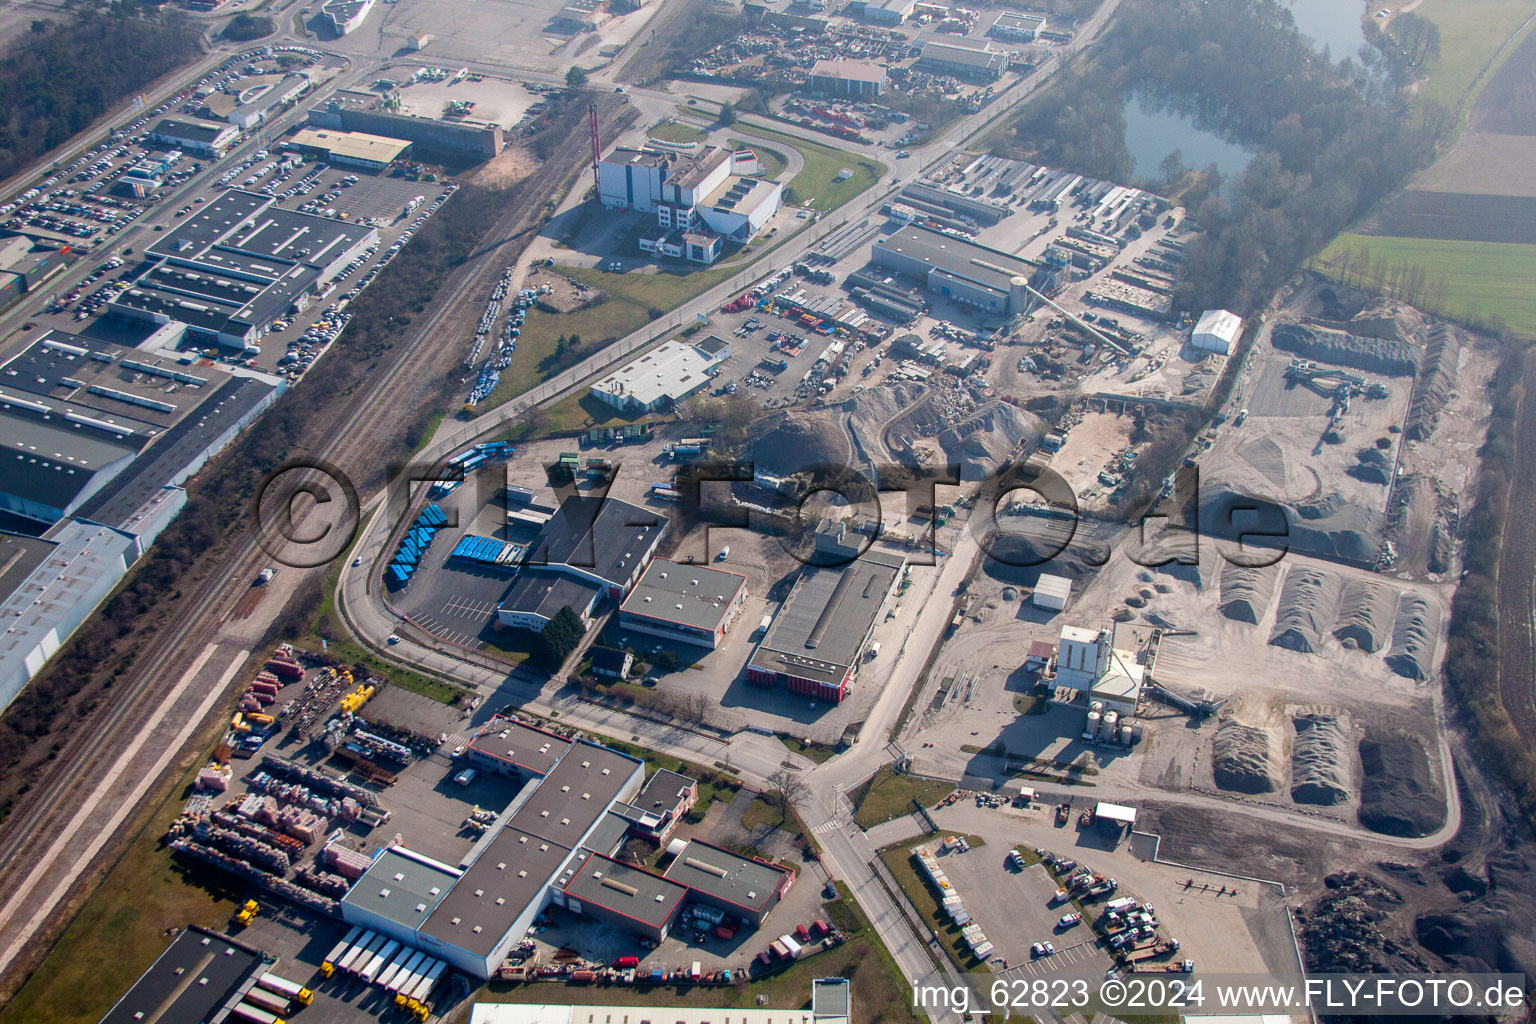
<point x="358" y="149"/>
<point x="1051" y="592"/>
<point x="960" y="59"/>
<point x="740" y="886"/>
<point x="343" y="16"/>
<point x="814" y="645"/>
<point x="1016" y="27"/>
<point x="239" y="263"/>
<point x="667" y="796"/>
<point x="398" y="890"/>
<point x="537" y="595"/>
<point x="663" y="376"/>
<point x="693" y="604"/>
<point x="852" y="78"/>
<point x="632" y="898"/>
<point x="959" y="269"/>
<point x="198" y="975"/>
<point x="506" y="746"/>
<point x="206" y="138"/>
<point x="830" y="1004"/>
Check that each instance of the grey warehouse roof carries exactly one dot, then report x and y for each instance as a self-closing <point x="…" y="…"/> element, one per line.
<point x="990" y="268"/>
<point x="726" y="876"/>
<point x="824" y="620"/>
<point x="543" y="592"/>
<point x="532" y="750"/>
<point x="694" y="595"/>
<point x="510" y="873"/>
<point x="639" y="895"/>
<point x="402" y="888"/>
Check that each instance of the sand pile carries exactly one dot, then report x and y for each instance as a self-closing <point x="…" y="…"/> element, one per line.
<point x="1436" y="378"/>
<point x="1243" y="759"/>
<point x="1398" y="796"/>
<point x="870" y="411"/>
<point x="1366" y="612"/>
<point x="1322" y="769"/>
<point x="1388" y="356"/>
<point x="1414" y="635"/>
<point x="793" y="443"/>
<point x="1308" y="601"/>
<point x="984" y="442"/>
<point x="1245" y="592"/>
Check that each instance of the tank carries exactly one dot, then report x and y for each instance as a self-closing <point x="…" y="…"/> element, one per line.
<point x="1098" y="706"/>
<point x="1111" y="721"/>
<point x="1125" y="735"/>
<point x="1092" y="728"/>
<point x="1018" y="294"/>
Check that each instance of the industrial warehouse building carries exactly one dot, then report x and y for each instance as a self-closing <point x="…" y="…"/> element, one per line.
<point x="1217" y="331"/>
<point x="883" y="12"/>
<point x="200" y="976"/>
<point x="238" y="264"/>
<point x="692" y="604"/>
<point x="709" y="192"/>
<point x="355" y="149"/>
<point x="579" y="803"/>
<point x="1015" y="27"/>
<point x="254" y="100"/>
<point x="96" y="440"/>
<point x="958" y="269"/>
<point x="822" y="630"/>
<point x="205" y="138"/>
<point x="854" y="79"/>
<point x="591" y="548"/>
<point x="1088" y="661"/>
<point x="1051" y="592"/>
<point x="663" y="376"/>
<point x="954" y="58"/>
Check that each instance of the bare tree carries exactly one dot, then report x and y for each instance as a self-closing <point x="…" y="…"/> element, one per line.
<point x="788" y="786"/>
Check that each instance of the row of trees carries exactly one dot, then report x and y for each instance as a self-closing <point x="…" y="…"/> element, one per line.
<point x="1409" y="282"/>
<point x="60" y="77"/>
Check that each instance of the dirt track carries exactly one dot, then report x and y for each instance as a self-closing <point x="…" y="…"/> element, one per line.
<point x="1517" y="579"/>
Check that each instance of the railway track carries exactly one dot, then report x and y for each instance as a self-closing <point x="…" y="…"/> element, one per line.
<point x="351" y="440"/>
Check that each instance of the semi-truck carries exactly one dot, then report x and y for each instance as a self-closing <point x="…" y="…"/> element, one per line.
<point x="282" y="986"/>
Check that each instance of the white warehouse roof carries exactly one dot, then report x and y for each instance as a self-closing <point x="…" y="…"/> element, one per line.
<point x="1219" y="323"/>
<point x="672" y="371"/>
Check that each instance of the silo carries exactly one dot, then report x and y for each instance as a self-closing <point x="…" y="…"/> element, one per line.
<point x="1018" y="295"/>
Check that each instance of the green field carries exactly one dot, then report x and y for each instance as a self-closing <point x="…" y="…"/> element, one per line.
<point x="770" y="162"/>
<point x="816" y="181"/>
<point x="676" y="131"/>
<point x="1484" y="279"/>
<point x="1470" y="32"/>
<point x="887" y="795"/>
<point x="665" y="290"/>
<point x="532" y="361"/>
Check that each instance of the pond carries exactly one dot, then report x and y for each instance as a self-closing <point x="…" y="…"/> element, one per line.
<point x="1331" y="23"/>
<point x="1151" y="133"/>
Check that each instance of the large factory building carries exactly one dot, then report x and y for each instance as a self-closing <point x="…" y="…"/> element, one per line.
<point x="958" y="269"/>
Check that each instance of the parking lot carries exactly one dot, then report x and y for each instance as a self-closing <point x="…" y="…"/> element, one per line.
<point x="1014" y="908"/>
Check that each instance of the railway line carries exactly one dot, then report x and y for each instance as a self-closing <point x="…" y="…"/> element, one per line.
<point x="52" y="816"/>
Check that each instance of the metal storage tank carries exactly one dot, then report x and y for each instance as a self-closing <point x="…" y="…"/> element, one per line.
<point x="1093" y="724"/>
<point x="1018" y="294"/>
<point x="1125" y="735"/>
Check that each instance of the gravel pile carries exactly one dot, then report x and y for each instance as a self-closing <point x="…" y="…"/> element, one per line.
<point x="1398" y="795"/>
<point x="1245" y="592"/>
<point x="1436" y="378"/>
<point x="1414" y="635"/>
<point x="1308" y="601"/>
<point x="1366" y="614"/>
<point x="1322" y="761"/>
<point x="1386" y="356"/>
<point x="1243" y="759"/>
